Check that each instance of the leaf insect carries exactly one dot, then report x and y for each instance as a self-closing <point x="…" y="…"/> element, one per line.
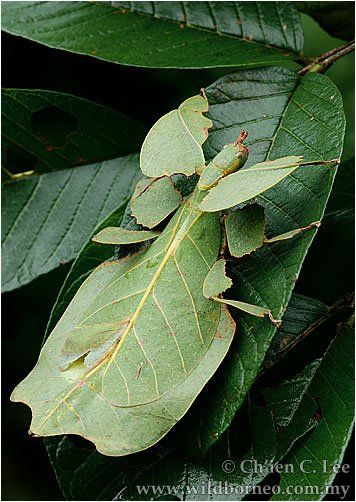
<point x="144" y="334"/>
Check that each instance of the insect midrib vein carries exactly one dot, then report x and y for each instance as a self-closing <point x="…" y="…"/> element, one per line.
<point x="174" y="242"/>
<point x="172" y="246"/>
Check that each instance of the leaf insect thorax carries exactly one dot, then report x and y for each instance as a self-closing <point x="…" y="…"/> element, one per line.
<point x="230" y="159"/>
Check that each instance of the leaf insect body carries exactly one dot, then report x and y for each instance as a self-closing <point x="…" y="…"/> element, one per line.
<point x="144" y="334"/>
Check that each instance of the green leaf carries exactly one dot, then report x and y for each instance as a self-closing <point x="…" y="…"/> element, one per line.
<point x="172" y="35"/>
<point x="333" y="390"/>
<point x="89" y="257"/>
<point x="301" y="315"/>
<point x="157" y="200"/>
<point x="160" y="368"/>
<point x="216" y="282"/>
<point x="341" y="204"/>
<point x="337" y="18"/>
<point x="173" y="144"/>
<point x="284" y="115"/>
<point x="46" y="219"/>
<point x="245" y="229"/>
<point x="45" y="131"/>
<point x="246" y="184"/>
<point x="117" y="235"/>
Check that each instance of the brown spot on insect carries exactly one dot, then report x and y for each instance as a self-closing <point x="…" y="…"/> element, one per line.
<point x="123" y="11"/>
<point x="249" y="38"/>
<point x="139" y="369"/>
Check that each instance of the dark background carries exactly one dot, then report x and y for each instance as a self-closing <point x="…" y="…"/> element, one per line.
<point x="145" y="95"/>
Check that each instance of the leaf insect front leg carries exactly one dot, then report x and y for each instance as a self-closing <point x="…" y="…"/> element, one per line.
<point x="230" y="159"/>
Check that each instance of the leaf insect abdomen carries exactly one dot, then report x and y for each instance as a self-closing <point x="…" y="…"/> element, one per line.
<point x="231" y="158"/>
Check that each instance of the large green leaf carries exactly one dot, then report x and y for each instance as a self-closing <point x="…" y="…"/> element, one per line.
<point x="334" y="390"/>
<point x="142" y="321"/>
<point x="337" y="18"/>
<point x="163" y="34"/>
<point x="284" y="115"/>
<point x="45" y="131"/>
<point x="46" y="219"/>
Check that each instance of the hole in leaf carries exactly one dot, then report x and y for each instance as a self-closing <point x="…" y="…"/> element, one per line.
<point x="18" y="160"/>
<point x="53" y="125"/>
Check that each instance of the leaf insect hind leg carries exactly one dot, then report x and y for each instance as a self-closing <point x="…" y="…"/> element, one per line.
<point x="217" y="282"/>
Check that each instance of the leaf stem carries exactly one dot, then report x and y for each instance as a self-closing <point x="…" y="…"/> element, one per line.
<point x="323" y="62"/>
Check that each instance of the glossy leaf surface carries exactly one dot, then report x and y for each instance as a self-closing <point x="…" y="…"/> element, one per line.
<point x="333" y="388"/>
<point x="341" y="204"/>
<point x="46" y="219"/>
<point x="172" y="34"/>
<point x="45" y="131"/>
<point x="268" y="103"/>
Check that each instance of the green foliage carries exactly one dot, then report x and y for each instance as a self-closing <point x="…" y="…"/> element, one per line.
<point x="45" y="222"/>
<point x="334" y="387"/>
<point x="45" y="131"/>
<point x="248" y="183"/>
<point x="141" y="356"/>
<point x="172" y="35"/>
